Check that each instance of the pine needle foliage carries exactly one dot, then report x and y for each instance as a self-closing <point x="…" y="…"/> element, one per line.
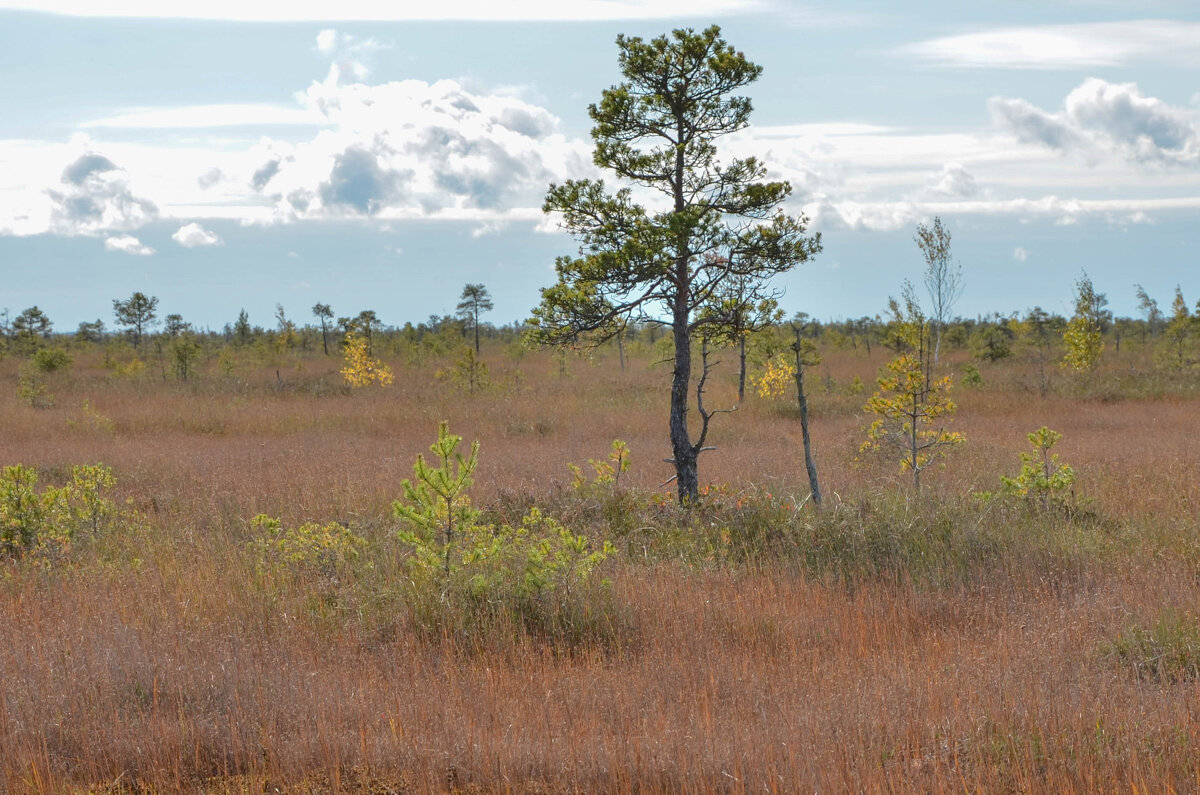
<point x="1043" y="479"/>
<point x="912" y="414"/>
<point x="435" y="501"/>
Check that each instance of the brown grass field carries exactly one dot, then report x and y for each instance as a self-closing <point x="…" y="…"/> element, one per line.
<point x="160" y="667"/>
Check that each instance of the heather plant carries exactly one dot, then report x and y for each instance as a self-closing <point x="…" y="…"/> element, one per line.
<point x="317" y="558"/>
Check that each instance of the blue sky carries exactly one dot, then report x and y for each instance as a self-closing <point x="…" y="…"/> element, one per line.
<point x="222" y="156"/>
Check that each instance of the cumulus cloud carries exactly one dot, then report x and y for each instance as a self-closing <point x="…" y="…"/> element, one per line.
<point x="194" y="235"/>
<point x="1099" y="116"/>
<point x="408" y="149"/>
<point x="1031" y="124"/>
<point x="96" y="199"/>
<point x="127" y="244"/>
<point x="262" y="175"/>
<point x="210" y="178"/>
<point x="360" y="182"/>
<point x="954" y="181"/>
<point x="1020" y="254"/>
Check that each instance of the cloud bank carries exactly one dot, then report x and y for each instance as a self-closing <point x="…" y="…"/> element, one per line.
<point x="1079" y="46"/>
<point x="1101" y="118"/>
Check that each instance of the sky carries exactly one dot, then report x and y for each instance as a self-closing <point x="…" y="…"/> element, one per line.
<point x="229" y="155"/>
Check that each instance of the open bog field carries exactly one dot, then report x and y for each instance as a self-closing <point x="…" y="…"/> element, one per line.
<point x="889" y="641"/>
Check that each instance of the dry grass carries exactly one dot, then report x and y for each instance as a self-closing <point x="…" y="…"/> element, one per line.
<point x="175" y="673"/>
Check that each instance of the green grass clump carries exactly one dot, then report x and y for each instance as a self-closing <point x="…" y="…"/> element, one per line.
<point x="1165" y="650"/>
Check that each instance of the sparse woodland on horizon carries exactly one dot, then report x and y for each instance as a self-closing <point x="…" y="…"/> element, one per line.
<point x="661" y="537"/>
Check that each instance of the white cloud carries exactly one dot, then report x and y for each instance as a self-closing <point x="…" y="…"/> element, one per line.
<point x="203" y="116"/>
<point x="890" y="215"/>
<point x="93" y="198"/>
<point x="327" y="41"/>
<point x="415" y="149"/>
<point x="127" y="244"/>
<point x="194" y="235"/>
<point x="953" y="181"/>
<point x="1100" y="117"/>
<point x="382" y="10"/>
<point x="1020" y="254"/>
<point x="1066" y="46"/>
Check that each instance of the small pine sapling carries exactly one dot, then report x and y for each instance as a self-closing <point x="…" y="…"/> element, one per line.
<point x="1043" y="480"/>
<point x="436" y="500"/>
<point x="912" y="413"/>
<point x="607" y="472"/>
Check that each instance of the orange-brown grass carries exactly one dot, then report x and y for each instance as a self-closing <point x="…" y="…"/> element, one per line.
<point x="176" y="672"/>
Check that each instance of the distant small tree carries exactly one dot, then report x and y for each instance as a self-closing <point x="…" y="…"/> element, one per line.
<point x="176" y="325"/>
<point x="943" y="277"/>
<point x="1179" y="329"/>
<point x="184" y="353"/>
<point x="241" y="328"/>
<point x="323" y="313"/>
<point x="475" y="300"/>
<point x="737" y="309"/>
<point x="286" y="328"/>
<point x="1150" y="311"/>
<point x="992" y="340"/>
<point x="1082" y="336"/>
<point x="1038" y="332"/>
<point x="361" y="368"/>
<point x="90" y="332"/>
<point x="136" y="314"/>
<point x="363" y="325"/>
<point x="31" y="326"/>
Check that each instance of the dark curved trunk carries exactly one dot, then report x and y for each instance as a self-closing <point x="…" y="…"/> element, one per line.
<point x="814" y="484"/>
<point x="686" y="477"/>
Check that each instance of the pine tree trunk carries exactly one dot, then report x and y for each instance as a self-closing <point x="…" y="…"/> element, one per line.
<point x="686" y="476"/>
<point x="810" y="465"/>
<point x="741" y="367"/>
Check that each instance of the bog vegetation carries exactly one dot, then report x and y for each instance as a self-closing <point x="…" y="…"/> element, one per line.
<point x="361" y="557"/>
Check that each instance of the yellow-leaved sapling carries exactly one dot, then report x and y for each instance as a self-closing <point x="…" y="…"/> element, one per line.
<point x="361" y="368"/>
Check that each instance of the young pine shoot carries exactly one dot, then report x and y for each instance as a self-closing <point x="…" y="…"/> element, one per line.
<point x="436" y="500"/>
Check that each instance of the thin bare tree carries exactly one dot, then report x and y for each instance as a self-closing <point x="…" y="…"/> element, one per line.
<point x="943" y="277"/>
